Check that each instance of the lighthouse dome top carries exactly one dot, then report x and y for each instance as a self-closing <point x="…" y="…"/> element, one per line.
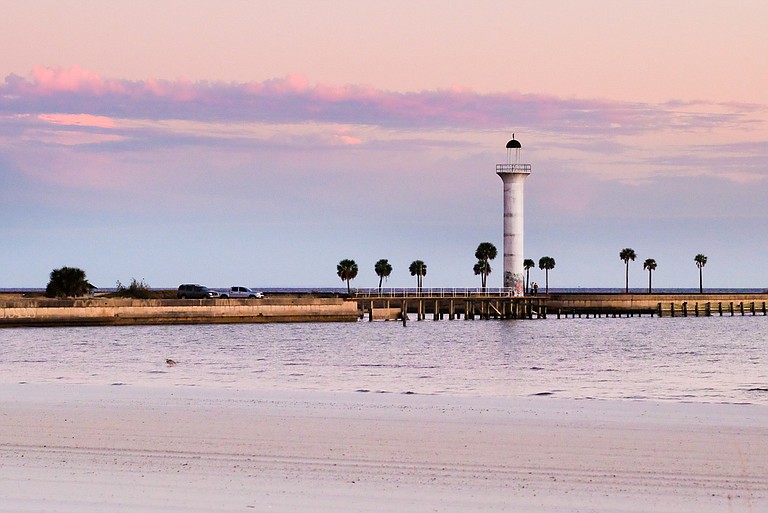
<point x="514" y="143"/>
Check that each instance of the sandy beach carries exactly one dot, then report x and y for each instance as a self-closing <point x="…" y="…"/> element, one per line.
<point x="87" y="448"/>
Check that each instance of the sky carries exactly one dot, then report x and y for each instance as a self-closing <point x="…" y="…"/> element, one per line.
<point x="258" y="143"/>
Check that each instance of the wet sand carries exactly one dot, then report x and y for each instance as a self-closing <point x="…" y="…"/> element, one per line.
<point x="83" y="448"/>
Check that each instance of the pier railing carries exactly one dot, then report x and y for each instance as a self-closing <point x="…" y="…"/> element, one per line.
<point x="438" y="292"/>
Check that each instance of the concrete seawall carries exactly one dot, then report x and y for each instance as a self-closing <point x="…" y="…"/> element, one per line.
<point x="111" y="312"/>
<point x="658" y="304"/>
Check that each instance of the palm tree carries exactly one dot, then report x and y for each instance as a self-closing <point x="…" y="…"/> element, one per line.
<point x="383" y="269"/>
<point x="627" y="254"/>
<point x="484" y="252"/>
<point x="546" y="263"/>
<point x="418" y="269"/>
<point x="68" y="282"/>
<point x="528" y="264"/>
<point x="483" y="269"/>
<point x="701" y="261"/>
<point x="650" y="265"/>
<point x="347" y="270"/>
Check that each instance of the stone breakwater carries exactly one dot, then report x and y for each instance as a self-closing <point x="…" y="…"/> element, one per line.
<point x="111" y="312"/>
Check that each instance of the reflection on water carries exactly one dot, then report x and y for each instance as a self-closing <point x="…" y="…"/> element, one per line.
<point x="694" y="359"/>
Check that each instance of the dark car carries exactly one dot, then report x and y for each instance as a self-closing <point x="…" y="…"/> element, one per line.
<point x="195" y="291"/>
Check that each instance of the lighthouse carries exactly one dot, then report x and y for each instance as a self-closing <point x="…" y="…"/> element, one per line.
<point x="513" y="174"/>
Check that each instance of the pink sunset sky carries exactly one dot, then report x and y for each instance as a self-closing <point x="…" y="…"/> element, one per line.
<point x="259" y="143"/>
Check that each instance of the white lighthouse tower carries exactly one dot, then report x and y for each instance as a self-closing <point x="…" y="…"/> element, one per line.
<point x="513" y="174"/>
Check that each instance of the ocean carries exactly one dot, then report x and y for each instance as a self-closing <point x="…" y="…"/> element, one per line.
<point x="713" y="359"/>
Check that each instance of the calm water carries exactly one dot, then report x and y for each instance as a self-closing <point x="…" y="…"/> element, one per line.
<point x="683" y="359"/>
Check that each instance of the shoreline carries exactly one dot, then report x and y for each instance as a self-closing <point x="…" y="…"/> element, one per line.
<point x="102" y="311"/>
<point x="16" y="311"/>
<point x="99" y="447"/>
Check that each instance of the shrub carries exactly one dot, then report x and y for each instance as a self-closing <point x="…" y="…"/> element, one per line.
<point x="136" y="290"/>
<point x="68" y="282"/>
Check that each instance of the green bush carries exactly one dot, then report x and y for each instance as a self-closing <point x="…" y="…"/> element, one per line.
<point x="68" y="282"/>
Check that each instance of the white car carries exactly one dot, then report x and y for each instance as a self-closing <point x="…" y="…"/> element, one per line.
<point x="241" y="292"/>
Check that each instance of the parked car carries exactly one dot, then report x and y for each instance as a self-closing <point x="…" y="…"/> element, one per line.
<point x="241" y="292"/>
<point x="195" y="291"/>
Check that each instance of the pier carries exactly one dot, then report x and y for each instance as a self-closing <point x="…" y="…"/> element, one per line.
<point x="479" y="304"/>
<point x="448" y="303"/>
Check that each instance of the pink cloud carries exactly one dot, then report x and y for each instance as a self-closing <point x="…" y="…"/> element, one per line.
<point x="348" y="139"/>
<point x="290" y="85"/>
<point x="293" y="99"/>
<point x="78" y="119"/>
<point x="343" y="137"/>
<point x="181" y="91"/>
<point x="75" y="79"/>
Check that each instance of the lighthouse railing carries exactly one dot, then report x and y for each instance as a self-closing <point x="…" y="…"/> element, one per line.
<point x="513" y="168"/>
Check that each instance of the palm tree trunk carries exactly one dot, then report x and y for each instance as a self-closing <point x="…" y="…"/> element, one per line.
<point x="649" y="281"/>
<point x="701" y="282"/>
<point x="527" y="281"/>
<point x="381" y="279"/>
<point x="626" y="278"/>
<point x="348" y="289"/>
<point x="546" y="281"/>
